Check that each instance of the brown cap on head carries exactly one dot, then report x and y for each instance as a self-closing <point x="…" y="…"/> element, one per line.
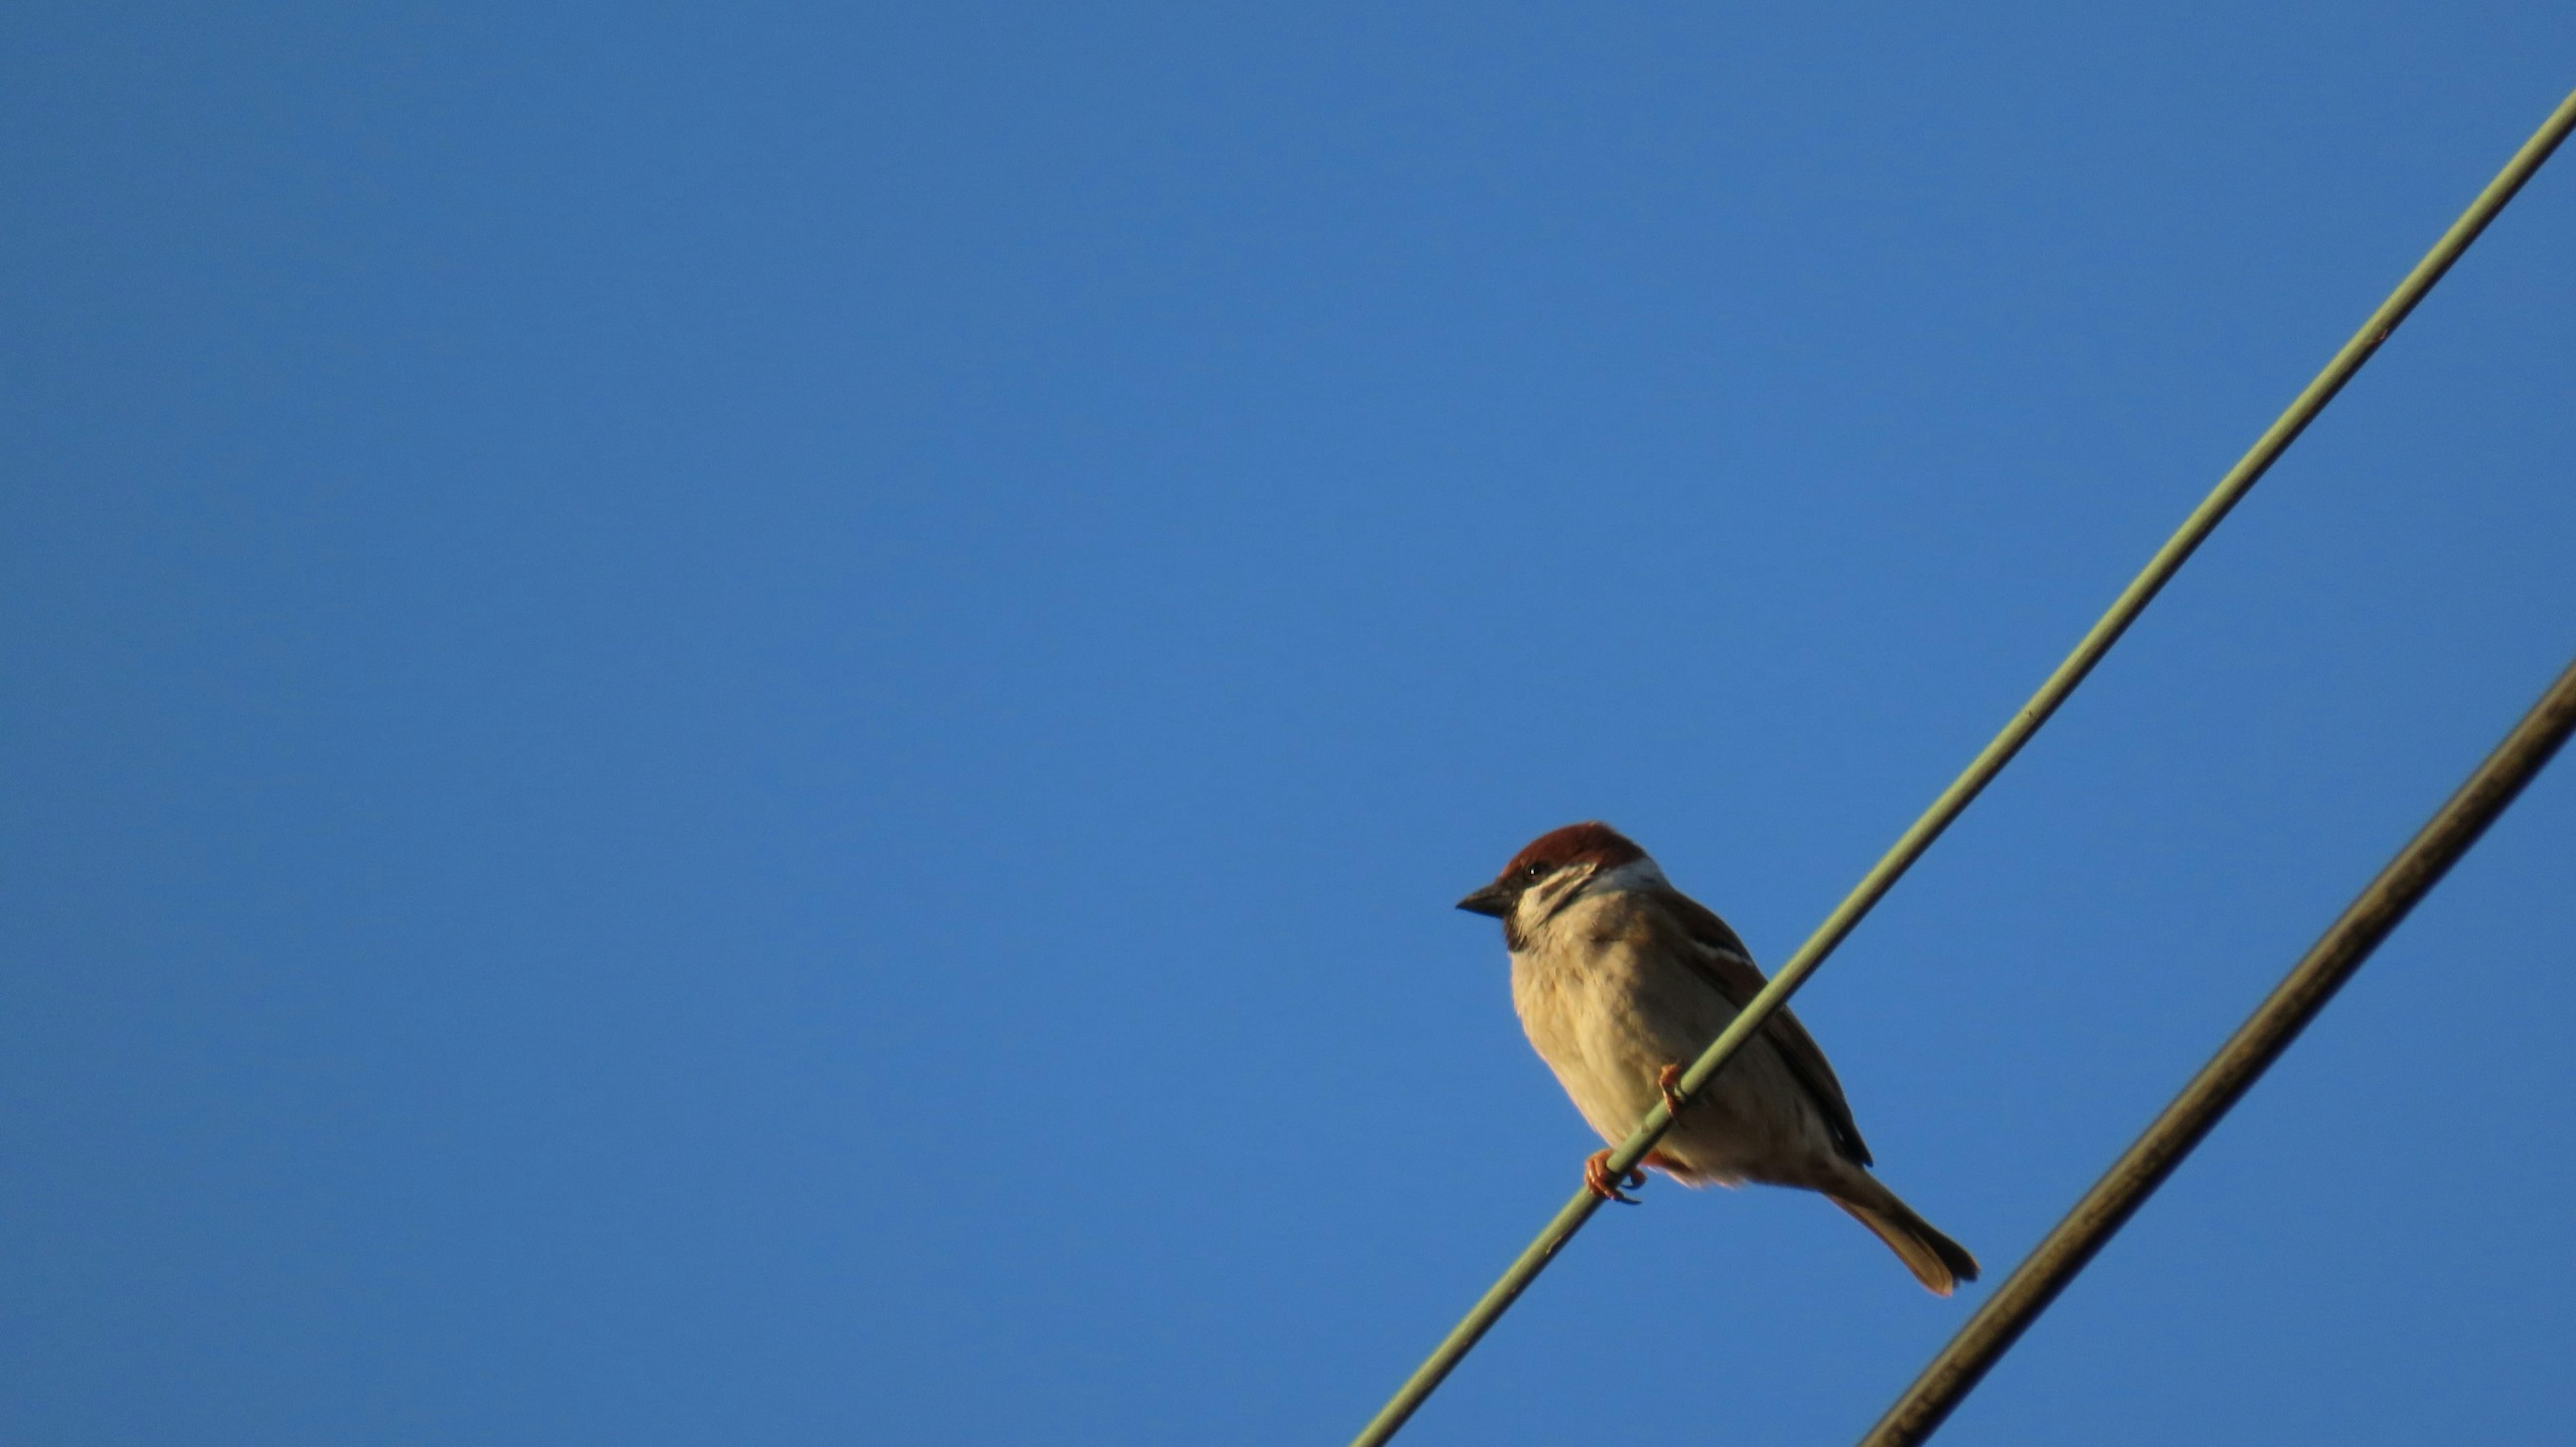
<point x="1592" y="842"/>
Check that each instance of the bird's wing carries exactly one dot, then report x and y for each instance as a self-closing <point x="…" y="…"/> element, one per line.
<point x="1720" y="959"/>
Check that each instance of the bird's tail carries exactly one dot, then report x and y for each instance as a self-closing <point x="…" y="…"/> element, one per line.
<point x="1937" y="1261"/>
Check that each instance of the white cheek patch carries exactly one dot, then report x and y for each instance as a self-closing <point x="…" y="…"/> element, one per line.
<point x="1540" y="903"/>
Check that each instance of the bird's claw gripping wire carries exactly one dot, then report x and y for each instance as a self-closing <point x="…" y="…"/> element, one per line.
<point x="1597" y="1178"/>
<point x="1668" y="1084"/>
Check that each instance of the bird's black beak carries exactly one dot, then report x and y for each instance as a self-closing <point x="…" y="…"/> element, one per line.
<point x="1495" y="899"/>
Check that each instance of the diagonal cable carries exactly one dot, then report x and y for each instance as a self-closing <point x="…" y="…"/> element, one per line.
<point x="2266" y="1034"/>
<point x="1981" y="771"/>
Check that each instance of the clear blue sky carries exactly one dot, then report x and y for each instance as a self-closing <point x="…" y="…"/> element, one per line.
<point x="755" y="723"/>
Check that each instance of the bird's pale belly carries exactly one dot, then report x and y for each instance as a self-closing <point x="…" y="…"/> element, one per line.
<point x="1606" y="1025"/>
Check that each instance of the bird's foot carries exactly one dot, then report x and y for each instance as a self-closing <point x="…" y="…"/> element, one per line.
<point x="1668" y="1084"/>
<point x="1597" y="1178"/>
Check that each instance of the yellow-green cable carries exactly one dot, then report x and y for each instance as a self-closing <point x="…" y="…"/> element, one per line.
<point x="1981" y="771"/>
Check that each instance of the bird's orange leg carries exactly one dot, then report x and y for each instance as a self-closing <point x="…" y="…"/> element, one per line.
<point x="1598" y="1180"/>
<point x="1667" y="1083"/>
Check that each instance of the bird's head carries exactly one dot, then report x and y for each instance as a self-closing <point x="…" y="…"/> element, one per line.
<point x="1546" y="875"/>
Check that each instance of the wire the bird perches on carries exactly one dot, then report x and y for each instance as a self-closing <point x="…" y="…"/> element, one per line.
<point x="1981" y="771"/>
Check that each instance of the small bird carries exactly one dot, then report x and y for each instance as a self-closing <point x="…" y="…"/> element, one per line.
<point x="1622" y="980"/>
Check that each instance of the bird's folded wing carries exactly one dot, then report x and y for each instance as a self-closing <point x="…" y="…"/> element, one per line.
<point x="1721" y="959"/>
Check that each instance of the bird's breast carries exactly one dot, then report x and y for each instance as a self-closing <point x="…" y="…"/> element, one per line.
<point x="1587" y="1000"/>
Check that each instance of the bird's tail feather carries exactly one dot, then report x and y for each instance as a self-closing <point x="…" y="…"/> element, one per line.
<point x="1937" y="1261"/>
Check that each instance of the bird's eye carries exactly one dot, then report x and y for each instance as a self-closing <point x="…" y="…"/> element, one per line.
<point x="1534" y="871"/>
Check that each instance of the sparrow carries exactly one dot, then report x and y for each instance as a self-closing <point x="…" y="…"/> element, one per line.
<point x="1622" y="980"/>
